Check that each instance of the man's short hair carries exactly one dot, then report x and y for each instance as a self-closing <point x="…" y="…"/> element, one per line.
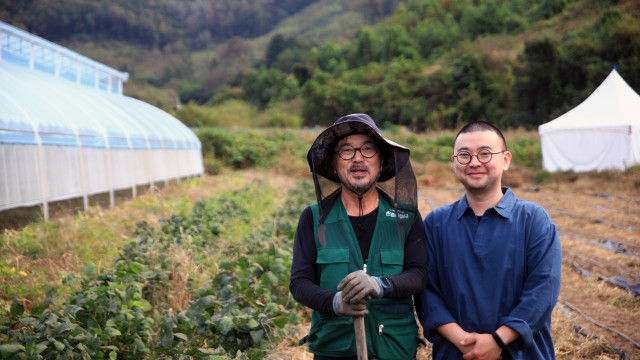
<point x="475" y="126"/>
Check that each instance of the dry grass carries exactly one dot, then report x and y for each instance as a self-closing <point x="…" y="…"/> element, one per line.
<point x="45" y="252"/>
<point x="569" y="343"/>
<point x="434" y="173"/>
<point x="512" y="135"/>
<point x="182" y="268"/>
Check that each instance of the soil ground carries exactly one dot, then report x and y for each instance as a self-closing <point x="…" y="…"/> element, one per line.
<point x="598" y="219"/>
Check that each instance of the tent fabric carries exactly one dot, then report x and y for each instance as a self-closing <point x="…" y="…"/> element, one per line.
<point x="602" y="133"/>
<point x="62" y="136"/>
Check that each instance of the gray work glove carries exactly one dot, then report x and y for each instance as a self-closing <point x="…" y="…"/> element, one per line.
<point x="358" y="286"/>
<point x="341" y="307"/>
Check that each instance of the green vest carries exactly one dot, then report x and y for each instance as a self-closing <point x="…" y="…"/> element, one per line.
<point x="390" y="326"/>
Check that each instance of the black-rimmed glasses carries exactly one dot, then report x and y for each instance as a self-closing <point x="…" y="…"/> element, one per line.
<point x="347" y="152"/>
<point x="484" y="156"/>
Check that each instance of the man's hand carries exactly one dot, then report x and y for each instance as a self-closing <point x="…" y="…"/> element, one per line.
<point x="466" y="345"/>
<point x="358" y="286"/>
<point x="483" y="347"/>
<point x="344" y="308"/>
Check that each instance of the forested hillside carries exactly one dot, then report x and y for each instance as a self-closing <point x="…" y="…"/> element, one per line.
<point x="436" y="63"/>
<point x="425" y="64"/>
<point x="148" y="23"/>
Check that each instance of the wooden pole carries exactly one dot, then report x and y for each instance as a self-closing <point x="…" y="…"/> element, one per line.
<point x="361" y="337"/>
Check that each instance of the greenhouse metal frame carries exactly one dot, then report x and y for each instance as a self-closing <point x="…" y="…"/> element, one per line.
<point x="67" y="131"/>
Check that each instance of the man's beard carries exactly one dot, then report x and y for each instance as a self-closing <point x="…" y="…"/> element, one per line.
<point x="359" y="189"/>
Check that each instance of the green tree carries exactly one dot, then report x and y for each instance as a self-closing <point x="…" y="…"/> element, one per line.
<point x="365" y="48"/>
<point x="535" y="82"/>
<point x="431" y="35"/>
<point x="268" y="85"/>
<point x="545" y="9"/>
<point x="329" y="58"/>
<point x="397" y="43"/>
<point x="277" y="44"/>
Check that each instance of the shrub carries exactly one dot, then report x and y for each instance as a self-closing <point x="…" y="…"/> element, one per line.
<point x="526" y="152"/>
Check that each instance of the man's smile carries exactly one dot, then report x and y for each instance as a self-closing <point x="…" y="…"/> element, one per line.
<point x="358" y="171"/>
<point x="475" y="174"/>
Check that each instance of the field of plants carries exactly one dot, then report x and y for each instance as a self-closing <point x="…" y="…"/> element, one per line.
<point x="200" y="268"/>
<point x="208" y="282"/>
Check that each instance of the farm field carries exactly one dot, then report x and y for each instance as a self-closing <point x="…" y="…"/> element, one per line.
<point x="597" y="215"/>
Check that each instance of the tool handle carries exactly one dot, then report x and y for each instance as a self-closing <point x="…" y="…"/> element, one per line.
<point x="361" y="338"/>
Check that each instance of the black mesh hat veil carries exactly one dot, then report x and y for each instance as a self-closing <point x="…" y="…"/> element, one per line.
<point x="397" y="182"/>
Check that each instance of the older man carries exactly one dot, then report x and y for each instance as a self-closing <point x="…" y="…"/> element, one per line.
<point x="360" y="249"/>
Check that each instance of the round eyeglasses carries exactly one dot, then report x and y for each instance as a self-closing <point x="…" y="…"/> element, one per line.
<point x="347" y="152"/>
<point x="483" y="156"/>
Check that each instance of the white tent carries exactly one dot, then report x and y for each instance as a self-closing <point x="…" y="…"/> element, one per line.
<point x="602" y="133"/>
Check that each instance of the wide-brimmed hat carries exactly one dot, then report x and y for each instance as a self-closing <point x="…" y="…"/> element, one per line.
<point x="397" y="182"/>
<point x="320" y="154"/>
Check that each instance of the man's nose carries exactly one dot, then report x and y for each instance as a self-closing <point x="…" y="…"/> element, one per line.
<point x="474" y="158"/>
<point x="358" y="155"/>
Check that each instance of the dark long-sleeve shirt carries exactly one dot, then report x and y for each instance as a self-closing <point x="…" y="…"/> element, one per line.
<point x="304" y="272"/>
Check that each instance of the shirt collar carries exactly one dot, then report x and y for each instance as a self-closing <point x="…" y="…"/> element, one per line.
<point x="503" y="208"/>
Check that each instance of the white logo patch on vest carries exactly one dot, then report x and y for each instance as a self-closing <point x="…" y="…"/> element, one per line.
<point x="401" y="214"/>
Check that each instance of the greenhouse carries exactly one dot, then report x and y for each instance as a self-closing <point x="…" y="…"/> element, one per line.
<point x="67" y="131"/>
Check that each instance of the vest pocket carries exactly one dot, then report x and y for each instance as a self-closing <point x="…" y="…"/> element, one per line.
<point x="392" y="261"/>
<point x="393" y="335"/>
<point x="334" y="266"/>
<point x="332" y="336"/>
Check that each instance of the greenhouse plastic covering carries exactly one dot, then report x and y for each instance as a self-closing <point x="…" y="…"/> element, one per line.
<point x="67" y="131"/>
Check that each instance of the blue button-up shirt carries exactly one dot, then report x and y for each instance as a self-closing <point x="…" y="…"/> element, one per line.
<point x="501" y="269"/>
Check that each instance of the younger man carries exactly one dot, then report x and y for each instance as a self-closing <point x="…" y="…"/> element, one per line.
<point x="494" y="262"/>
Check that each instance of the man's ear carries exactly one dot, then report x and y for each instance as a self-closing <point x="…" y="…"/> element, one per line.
<point x="507" y="160"/>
